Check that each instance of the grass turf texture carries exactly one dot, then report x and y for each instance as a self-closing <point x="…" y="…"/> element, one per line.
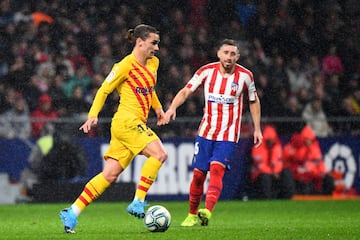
<point x="231" y="220"/>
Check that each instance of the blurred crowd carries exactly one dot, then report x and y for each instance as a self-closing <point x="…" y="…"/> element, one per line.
<point x="278" y="171"/>
<point x="304" y="55"/>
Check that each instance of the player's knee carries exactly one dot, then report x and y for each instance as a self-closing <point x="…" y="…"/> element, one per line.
<point x="162" y="156"/>
<point x="110" y="177"/>
<point x="217" y="170"/>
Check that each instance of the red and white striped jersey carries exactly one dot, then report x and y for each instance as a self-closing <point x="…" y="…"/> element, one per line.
<point x="223" y="100"/>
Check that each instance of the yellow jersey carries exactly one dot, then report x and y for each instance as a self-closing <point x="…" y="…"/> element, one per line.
<point x="135" y="84"/>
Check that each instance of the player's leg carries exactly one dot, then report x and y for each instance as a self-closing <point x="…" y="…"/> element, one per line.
<point x="92" y="190"/>
<point x="195" y="195"/>
<point x="157" y="155"/>
<point x="287" y="184"/>
<point x="203" y="149"/>
<point x="265" y="186"/>
<point x="217" y="171"/>
<point x="220" y="159"/>
<point x="98" y="184"/>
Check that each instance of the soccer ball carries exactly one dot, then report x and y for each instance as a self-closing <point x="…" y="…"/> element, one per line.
<point x="157" y="219"/>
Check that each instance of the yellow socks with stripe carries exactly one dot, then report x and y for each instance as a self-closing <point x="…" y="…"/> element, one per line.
<point x="148" y="175"/>
<point x="92" y="190"/>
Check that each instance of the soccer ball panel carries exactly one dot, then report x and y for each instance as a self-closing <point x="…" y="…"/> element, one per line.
<point x="157" y="219"/>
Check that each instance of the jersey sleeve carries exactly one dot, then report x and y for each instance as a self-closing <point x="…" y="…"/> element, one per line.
<point x="197" y="79"/>
<point x="250" y="83"/>
<point x="155" y="103"/>
<point x="113" y="79"/>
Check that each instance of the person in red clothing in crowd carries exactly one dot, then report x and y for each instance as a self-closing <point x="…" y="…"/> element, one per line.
<point x="42" y="114"/>
<point x="303" y="156"/>
<point x="269" y="178"/>
<point x="77" y="58"/>
<point x="331" y="62"/>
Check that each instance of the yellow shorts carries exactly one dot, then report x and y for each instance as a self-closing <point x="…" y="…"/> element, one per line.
<point x="128" y="138"/>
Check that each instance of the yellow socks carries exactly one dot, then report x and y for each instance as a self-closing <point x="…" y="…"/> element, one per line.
<point x="92" y="190"/>
<point x="148" y="175"/>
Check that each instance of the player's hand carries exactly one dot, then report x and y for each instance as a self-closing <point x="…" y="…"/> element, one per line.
<point x="160" y="115"/>
<point x="170" y="114"/>
<point x="258" y="138"/>
<point x="88" y="124"/>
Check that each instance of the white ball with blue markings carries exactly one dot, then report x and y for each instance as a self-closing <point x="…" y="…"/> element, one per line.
<point x="157" y="219"/>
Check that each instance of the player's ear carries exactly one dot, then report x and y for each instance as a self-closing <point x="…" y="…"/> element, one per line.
<point x="139" y="41"/>
<point x="218" y="54"/>
<point x="237" y="57"/>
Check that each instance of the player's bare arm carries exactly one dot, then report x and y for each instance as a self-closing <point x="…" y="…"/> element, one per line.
<point x="255" y="110"/>
<point x="178" y="100"/>
<point x="160" y="115"/>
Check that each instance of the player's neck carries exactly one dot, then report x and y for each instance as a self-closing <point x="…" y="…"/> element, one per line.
<point x="226" y="72"/>
<point x="140" y="58"/>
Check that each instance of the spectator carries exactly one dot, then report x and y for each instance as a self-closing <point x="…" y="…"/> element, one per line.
<point x="63" y="66"/>
<point x="59" y="99"/>
<point x="42" y="114"/>
<point x="268" y="175"/>
<point x="297" y="76"/>
<point x="4" y="66"/>
<point x="103" y="55"/>
<point x="15" y="122"/>
<point x="32" y="93"/>
<point x="293" y="114"/>
<point x="81" y="78"/>
<point x="278" y="75"/>
<point x="332" y="95"/>
<point x="331" y="63"/>
<point x="6" y="97"/>
<point x="47" y="161"/>
<point x="78" y="59"/>
<point x="314" y="116"/>
<point x="348" y="126"/>
<point x="78" y="109"/>
<point x="313" y="66"/>
<point x="18" y="74"/>
<point x="45" y="74"/>
<point x="355" y="100"/>
<point x="303" y="157"/>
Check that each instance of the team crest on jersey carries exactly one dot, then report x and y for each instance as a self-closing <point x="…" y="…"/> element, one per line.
<point x="234" y="86"/>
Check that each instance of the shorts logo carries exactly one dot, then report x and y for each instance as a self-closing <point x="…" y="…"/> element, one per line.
<point x="141" y="129"/>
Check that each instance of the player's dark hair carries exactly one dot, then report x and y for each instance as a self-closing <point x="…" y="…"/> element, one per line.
<point x="230" y="42"/>
<point x="140" y="31"/>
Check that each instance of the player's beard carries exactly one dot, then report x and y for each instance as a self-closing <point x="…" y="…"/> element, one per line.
<point x="228" y="66"/>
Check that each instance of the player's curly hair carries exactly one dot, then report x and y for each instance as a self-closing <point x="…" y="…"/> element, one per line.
<point x="140" y="31"/>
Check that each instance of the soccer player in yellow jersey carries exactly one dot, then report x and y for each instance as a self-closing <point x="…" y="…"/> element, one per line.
<point x="134" y="78"/>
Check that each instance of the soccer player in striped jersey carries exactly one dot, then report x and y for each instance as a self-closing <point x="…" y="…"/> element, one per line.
<point x="134" y="78"/>
<point x="225" y="84"/>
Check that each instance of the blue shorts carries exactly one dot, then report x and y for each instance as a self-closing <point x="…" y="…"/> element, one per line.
<point x="207" y="151"/>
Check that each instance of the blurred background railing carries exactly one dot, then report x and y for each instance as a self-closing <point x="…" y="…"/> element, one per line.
<point x="187" y="126"/>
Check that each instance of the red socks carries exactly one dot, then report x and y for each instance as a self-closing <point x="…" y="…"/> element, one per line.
<point x="217" y="172"/>
<point x="215" y="186"/>
<point x="196" y="190"/>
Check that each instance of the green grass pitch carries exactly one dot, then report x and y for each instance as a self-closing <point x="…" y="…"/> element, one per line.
<point x="231" y="220"/>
